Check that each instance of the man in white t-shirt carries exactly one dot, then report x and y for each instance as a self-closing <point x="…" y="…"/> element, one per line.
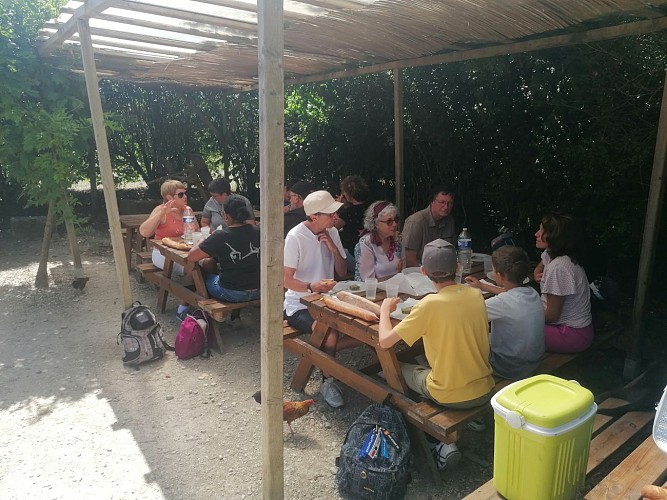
<point x="314" y="253"/>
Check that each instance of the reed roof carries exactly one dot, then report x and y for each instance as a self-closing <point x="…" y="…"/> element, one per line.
<point x="214" y="43"/>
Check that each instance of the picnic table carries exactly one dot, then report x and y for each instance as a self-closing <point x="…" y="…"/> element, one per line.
<point x="131" y="225"/>
<point x="167" y="283"/>
<point x="328" y="320"/>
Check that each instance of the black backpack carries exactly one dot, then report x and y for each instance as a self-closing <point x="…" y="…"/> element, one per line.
<point x="375" y="458"/>
<point x="141" y="336"/>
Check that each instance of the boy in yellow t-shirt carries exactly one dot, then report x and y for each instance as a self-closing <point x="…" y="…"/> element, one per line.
<point x="455" y="330"/>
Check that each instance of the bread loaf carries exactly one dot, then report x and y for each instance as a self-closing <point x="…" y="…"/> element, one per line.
<point x="349" y="309"/>
<point x="361" y="302"/>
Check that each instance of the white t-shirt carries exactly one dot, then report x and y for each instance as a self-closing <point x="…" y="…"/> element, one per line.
<point x="517" y="332"/>
<point x="312" y="260"/>
<point x="564" y="278"/>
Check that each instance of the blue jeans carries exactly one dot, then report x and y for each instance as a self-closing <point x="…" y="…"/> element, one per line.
<point x="226" y="294"/>
<point x="301" y="320"/>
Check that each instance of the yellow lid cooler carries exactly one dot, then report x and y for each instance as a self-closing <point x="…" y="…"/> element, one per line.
<point x="543" y="428"/>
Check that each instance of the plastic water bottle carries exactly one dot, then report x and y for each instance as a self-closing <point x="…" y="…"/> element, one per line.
<point x="189" y="226"/>
<point x="465" y="251"/>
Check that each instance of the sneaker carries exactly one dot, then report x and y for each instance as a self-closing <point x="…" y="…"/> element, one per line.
<point x="180" y="316"/>
<point x="445" y="455"/>
<point x="477" y="425"/>
<point x="332" y="393"/>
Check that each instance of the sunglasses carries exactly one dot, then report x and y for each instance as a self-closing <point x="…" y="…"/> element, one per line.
<point x="181" y="194"/>
<point x="389" y="222"/>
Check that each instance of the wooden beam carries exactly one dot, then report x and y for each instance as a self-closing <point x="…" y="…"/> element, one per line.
<point x="398" y="142"/>
<point x="104" y="158"/>
<point x="271" y="179"/>
<point x="595" y="35"/>
<point x="650" y="238"/>
<point x="89" y="9"/>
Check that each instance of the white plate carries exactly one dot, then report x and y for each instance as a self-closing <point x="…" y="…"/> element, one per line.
<point x="345" y="285"/>
<point x="409" y="302"/>
<point x="410" y="270"/>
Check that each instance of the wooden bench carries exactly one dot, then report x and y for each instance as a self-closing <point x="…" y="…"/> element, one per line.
<point x="218" y="311"/>
<point x="144" y="257"/>
<point x="444" y="423"/>
<point x="645" y="465"/>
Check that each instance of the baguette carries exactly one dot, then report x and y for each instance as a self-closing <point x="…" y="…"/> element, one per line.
<point x="361" y="302"/>
<point x="349" y="309"/>
<point x="176" y="243"/>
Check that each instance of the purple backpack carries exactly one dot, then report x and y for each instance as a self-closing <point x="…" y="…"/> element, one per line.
<point x="192" y="336"/>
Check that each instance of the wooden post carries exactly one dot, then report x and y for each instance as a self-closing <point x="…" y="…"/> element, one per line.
<point x="42" y="277"/>
<point x="398" y="142"/>
<point x="272" y="167"/>
<point x="647" y="255"/>
<point x="105" y="161"/>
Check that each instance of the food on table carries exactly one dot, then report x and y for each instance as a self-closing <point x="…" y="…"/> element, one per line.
<point x="406" y="310"/>
<point x="355" y="287"/>
<point x="328" y="281"/>
<point x="357" y="301"/>
<point x="347" y="308"/>
<point x="176" y="243"/>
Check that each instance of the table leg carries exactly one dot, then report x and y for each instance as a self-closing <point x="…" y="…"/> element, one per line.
<point x="391" y="369"/>
<point x="127" y="243"/>
<point x="164" y="292"/>
<point x="305" y="368"/>
<point x="200" y="283"/>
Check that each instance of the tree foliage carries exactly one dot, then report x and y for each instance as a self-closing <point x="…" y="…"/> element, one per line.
<point x="43" y="129"/>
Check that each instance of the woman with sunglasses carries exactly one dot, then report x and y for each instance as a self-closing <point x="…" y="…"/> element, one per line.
<point x="379" y="252"/>
<point x="166" y="220"/>
<point x="564" y="285"/>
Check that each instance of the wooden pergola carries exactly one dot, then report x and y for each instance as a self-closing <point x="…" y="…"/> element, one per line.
<point x="243" y="45"/>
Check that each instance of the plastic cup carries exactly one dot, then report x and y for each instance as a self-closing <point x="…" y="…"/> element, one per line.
<point x="488" y="264"/>
<point x="371" y="288"/>
<point x="392" y="290"/>
<point x="205" y="231"/>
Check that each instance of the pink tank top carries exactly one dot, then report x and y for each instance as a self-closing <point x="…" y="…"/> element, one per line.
<point x="171" y="228"/>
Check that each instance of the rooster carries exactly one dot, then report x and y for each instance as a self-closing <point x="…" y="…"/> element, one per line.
<point x="291" y="409"/>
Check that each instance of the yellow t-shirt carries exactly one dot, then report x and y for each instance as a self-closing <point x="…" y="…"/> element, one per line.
<point x="455" y="329"/>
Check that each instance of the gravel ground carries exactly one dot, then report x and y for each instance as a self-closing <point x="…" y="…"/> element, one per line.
<point x="80" y="425"/>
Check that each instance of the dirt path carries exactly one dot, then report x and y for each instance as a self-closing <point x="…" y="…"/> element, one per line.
<point x="76" y="424"/>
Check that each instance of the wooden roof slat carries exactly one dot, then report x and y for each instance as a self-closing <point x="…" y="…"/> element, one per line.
<point x="187" y="28"/>
<point x="185" y="15"/>
<point x="133" y="46"/>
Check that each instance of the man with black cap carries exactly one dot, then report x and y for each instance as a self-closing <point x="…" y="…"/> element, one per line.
<point x="313" y="255"/>
<point x="455" y="330"/>
<point x="297" y="214"/>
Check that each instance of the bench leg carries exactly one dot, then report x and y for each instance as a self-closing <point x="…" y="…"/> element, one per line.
<point x="305" y="368"/>
<point x="422" y="452"/>
<point x="216" y="336"/>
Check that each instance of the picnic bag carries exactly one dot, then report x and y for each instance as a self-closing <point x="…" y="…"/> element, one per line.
<point x="192" y="337"/>
<point x="375" y="457"/>
<point x="141" y="336"/>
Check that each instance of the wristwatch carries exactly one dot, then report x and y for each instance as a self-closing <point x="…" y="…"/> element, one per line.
<point x="308" y="289"/>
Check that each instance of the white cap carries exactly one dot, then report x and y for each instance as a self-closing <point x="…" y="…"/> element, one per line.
<point x="320" y="202"/>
